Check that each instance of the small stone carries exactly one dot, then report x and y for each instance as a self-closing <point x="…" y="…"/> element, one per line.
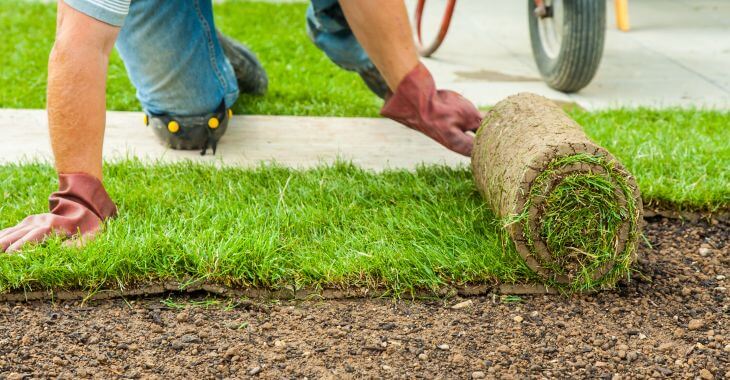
<point x="478" y="375"/>
<point x="279" y="343"/>
<point x="706" y="375"/>
<point x="254" y="371"/>
<point x="443" y="347"/>
<point x="720" y="277"/>
<point x="267" y="326"/>
<point x="695" y="324"/>
<point x="622" y="354"/>
<point x="182" y="316"/>
<point x="665" y="347"/>
<point x="387" y="326"/>
<point x="232" y="325"/>
<point x="231" y="352"/>
<point x="642" y="336"/>
<point x="462" y="305"/>
<point x="190" y="339"/>
<point x="16" y="376"/>
<point x="631" y="356"/>
<point x="57" y="361"/>
<point x="422" y="356"/>
<point x="727" y="348"/>
<point x="704" y="251"/>
<point x="665" y="371"/>
<point x="518" y="319"/>
<point x="386" y="367"/>
<point x="503" y="348"/>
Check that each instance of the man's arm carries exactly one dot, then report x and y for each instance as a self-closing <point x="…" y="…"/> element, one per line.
<point x="76" y="116"/>
<point x="77" y="71"/>
<point x="383" y="30"/>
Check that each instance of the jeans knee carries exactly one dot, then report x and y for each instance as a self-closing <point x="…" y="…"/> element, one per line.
<point x="328" y="29"/>
<point x="174" y="58"/>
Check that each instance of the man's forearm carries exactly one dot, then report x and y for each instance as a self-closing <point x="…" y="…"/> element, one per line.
<point x="383" y="30"/>
<point x="77" y="72"/>
<point x="393" y="53"/>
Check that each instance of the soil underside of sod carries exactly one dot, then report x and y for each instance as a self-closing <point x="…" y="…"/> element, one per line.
<point x="670" y="322"/>
<point x="272" y="228"/>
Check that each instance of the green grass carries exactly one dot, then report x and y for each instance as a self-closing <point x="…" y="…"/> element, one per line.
<point x="580" y="221"/>
<point x="680" y="158"/>
<point x="271" y="227"/>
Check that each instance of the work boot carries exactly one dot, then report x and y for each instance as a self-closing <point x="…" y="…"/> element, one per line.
<point x="251" y="76"/>
<point x="375" y="82"/>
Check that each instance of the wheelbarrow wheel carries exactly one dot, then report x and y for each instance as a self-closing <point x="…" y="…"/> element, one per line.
<point x="567" y="40"/>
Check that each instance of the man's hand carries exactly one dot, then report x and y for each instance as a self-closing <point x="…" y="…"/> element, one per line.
<point x="442" y="115"/>
<point x="383" y="30"/>
<point x="78" y="207"/>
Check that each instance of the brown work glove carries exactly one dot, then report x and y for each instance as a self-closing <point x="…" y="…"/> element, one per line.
<point x="78" y="207"/>
<point x="442" y="115"/>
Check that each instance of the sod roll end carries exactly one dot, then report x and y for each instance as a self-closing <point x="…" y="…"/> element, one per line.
<point x="573" y="211"/>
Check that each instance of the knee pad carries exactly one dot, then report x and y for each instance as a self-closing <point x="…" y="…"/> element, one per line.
<point x="191" y="132"/>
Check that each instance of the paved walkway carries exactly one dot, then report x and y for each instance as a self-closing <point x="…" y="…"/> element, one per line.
<point x="677" y="54"/>
<point x="292" y="141"/>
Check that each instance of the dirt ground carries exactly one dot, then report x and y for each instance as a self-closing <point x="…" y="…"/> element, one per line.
<point x="670" y="322"/>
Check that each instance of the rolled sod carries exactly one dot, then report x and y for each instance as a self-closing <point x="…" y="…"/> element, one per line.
<point x="572" y="210"/>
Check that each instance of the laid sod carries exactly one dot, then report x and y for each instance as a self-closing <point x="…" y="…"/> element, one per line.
<point x="270" y="227"/>
<point x="679" y="157"/>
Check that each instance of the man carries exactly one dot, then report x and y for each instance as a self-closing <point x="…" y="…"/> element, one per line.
<point x="188" y="76"/>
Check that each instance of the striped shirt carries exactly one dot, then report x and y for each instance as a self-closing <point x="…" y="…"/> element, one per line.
<point x="111" y="12"/>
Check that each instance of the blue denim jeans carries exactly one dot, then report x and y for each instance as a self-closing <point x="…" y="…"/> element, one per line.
<point x="177" y="65"/>
<point x="174" y="58"/>
<point x="328" y="29"/>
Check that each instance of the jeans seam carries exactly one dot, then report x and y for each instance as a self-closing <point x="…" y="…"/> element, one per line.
<point x="211" y="48"/>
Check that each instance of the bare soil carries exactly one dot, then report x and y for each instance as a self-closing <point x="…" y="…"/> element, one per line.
<point x="671" y="321"/>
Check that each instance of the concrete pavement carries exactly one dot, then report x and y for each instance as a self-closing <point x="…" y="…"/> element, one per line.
<point x="677" y="54"/>
<point x="292" y="141"/>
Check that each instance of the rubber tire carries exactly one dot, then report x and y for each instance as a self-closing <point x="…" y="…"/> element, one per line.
<point x="581" y="48"/>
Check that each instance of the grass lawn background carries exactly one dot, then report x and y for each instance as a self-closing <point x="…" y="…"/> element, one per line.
<point x="333" y="226"/>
